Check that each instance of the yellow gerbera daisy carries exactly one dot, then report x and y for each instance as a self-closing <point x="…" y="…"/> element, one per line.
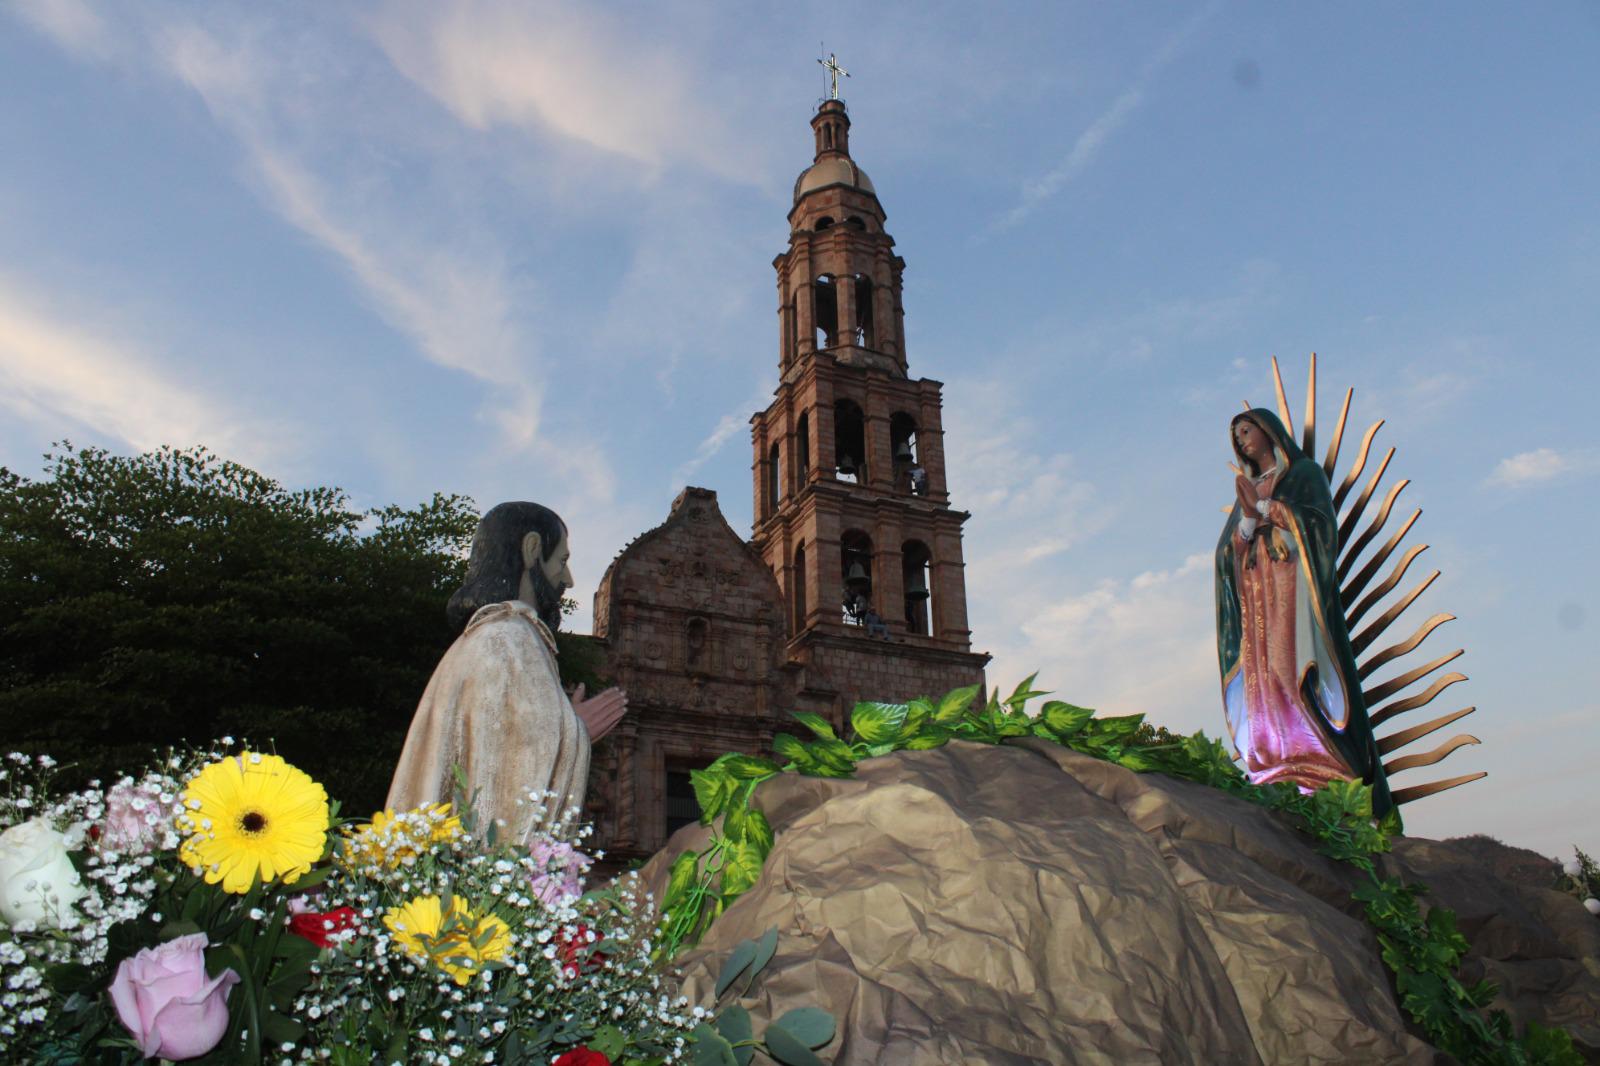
<point x="250" y="816"/>
<point x="391" y="838"/>
<point x="459" y="944"/>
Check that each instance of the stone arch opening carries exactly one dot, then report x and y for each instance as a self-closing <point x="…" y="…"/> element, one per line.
<point x="916" y="572"/>
<point x="802" y="446"/>
<point x="865" y="331"/>
<point x="850" y="442"/>
<point x="826" y="307"/>
<point x="909" y="475"/>
<point x="774" y="485"/>
<point x="855" y="563"/>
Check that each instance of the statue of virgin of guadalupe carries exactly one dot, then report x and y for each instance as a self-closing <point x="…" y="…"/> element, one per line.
<point x="1290" y="686"/>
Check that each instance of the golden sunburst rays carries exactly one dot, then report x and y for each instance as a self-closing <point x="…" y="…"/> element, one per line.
<point x="1354" y="540"/>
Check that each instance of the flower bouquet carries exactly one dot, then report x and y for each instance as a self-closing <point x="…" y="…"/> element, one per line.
<point x="217" y="909"/>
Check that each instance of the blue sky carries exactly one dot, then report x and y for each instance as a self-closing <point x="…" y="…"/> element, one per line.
<point x="520" y="250"/>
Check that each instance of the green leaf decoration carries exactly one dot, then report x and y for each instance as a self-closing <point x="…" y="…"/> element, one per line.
<point x="1119" y="728"/>
<point x="791" y="748"/>
<point x="750" y="767"/>
<point x="743" y="953"/>
<point x="918" y="711"/>
<point x="1135" y="760"/>
<point x="788" y="1048"/>
<point x="812" y="1026"/>
<point x="1424" y="952"/>
<point x="733" y="1022"/>
<point x="1023" y="693"/>
<point x="931" y="737"/>
<point x="816" y="723"/>
<point x="712" y="790"/>
<point x="878" y="723"/>
<point x="680" y="876"/>
<point x="758" y="831"/>
<point x="955" y="703"/>
<point x="1063" y="719"/>
<point x="741" y="868"/>
<point x="711" y="1049"/>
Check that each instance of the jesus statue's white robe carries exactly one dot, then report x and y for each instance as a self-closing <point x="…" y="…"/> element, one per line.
<point x="495" y="708"/>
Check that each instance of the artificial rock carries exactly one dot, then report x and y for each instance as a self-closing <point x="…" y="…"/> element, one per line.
<point x="1028" y="904"/>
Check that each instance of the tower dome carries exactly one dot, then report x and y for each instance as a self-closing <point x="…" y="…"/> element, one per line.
<point x="834" y="170"/>
<point x="832" y="164"/>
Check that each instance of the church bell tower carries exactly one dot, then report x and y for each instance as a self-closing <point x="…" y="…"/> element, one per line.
<point x="852" y="512"/>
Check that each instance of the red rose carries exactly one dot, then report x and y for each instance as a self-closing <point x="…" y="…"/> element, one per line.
<point x="317" y="928"/>
<point x="569" y="949"/>
<point x="582" y="1056"/>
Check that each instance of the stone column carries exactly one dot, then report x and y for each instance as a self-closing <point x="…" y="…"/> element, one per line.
<point x="804" y="295"/>
<point x="844" y="286"/>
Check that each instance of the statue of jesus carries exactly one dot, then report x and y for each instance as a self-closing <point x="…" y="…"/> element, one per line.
<point x="495" y="706"/>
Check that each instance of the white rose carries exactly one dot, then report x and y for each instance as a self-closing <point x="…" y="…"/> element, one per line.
<point x="37" y="880"/>
<point x="1592" y="905"/>
<point x="1573" y="868"/>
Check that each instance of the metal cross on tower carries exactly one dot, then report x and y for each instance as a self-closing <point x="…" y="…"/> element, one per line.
<point x="831" y="65"/>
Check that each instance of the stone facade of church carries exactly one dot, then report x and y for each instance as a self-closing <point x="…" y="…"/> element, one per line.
<point x="851" y="586"/>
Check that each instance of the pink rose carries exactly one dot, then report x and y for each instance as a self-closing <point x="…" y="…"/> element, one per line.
<point x="168" y="1003"/>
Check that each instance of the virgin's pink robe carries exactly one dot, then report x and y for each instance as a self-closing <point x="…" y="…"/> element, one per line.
<point x="1280" y="738"/>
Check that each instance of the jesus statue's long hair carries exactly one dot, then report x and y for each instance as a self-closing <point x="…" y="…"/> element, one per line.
<point x="495" y="568"/>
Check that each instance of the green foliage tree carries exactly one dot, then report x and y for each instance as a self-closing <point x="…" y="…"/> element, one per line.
<point x="177" y="596"/>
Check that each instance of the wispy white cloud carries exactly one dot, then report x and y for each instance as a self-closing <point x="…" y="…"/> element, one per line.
<point x="1083" y="152"/>
<point x="454" y="305"/>
<point x="52" y="370"/>
<point x="580" y="73"/>
<point x="1143" y="643"/>
<point x="1541" y="465"/>
<point x="730" y="426"/>
<point x="1094" y="138"/>
<point x="73" y="24"/>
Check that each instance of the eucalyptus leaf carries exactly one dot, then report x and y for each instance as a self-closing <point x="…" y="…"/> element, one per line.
<point x="743" y="954"/>
<point x="766" y="947"/>
<point x="733" y="1022"/>
<point x="711" y="1048"/>
<point x="812" y="1026"/>
<point x="788" y="1048"/>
